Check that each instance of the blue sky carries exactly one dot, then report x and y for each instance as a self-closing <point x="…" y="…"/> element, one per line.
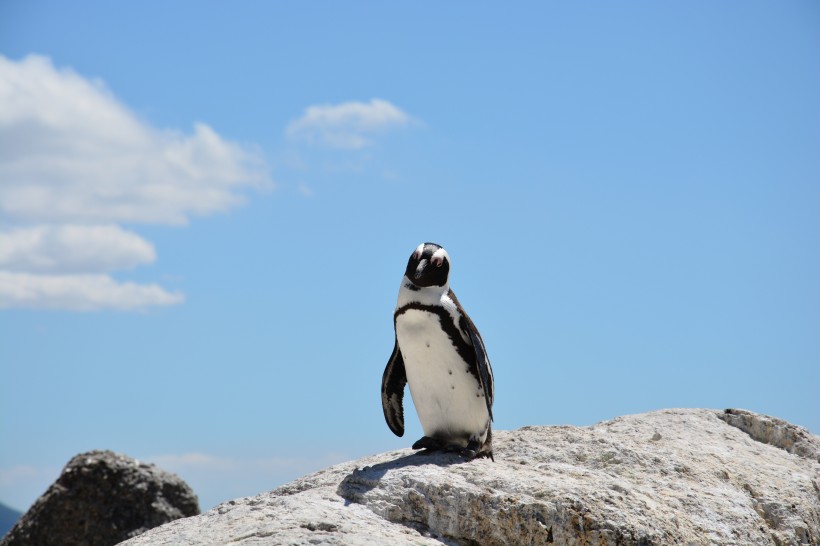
<point x="206" y="210"/>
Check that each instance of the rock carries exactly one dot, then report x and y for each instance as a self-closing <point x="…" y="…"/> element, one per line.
<point x="103" y="498"/>
<point x="666" y="477"/>
<point x="774" y="431"/>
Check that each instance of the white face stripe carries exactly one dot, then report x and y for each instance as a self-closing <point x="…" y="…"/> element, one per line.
<point x="438" y="257"/>
<point x="419" y="251"/>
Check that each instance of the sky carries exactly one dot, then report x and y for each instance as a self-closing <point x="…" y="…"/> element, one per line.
<point x="206" y="210"/>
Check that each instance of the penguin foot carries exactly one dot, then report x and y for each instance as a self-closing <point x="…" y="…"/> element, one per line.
<point x="467" y="453"/>
<point x="485" y="455"/>
<point x="471" y="451"/>
<point x="425" y="442"/>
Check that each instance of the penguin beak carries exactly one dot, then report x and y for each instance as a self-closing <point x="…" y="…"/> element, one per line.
<point x="420" y="269"/>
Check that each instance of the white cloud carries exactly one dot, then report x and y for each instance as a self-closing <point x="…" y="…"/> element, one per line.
<point x="305" y="190"/>
<point x="21" y="485"/>
<point x="16" y="474"/>
<point x="74" y="163"/>
<point x="349" y="125"/>
<point x="81" y="292"/>
<point x="70" y="152"/>
<point x="188" y="461"/>
<point x="73" y="249"/>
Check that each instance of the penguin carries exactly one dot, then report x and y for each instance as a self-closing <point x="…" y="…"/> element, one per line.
<point x="440" y="354"/>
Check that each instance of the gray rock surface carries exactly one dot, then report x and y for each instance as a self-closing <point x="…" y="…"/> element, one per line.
<point x="666" y="477"/>
<point x="774" y="431"/>
<point x="103" y="498"/>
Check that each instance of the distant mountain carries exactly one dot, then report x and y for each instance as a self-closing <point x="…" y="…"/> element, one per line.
<point x="8" y="517"/>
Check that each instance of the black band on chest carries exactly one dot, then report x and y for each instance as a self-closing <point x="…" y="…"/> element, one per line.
<point x="465" y="351"/>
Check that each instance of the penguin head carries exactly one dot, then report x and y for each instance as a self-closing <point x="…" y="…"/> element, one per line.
<point x="429" y="265"/>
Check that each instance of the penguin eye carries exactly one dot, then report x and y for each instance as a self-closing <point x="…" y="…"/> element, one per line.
<point x="438" y="257"/>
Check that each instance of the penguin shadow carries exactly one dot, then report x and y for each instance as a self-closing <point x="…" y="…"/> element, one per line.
<point x="362" y="480"/>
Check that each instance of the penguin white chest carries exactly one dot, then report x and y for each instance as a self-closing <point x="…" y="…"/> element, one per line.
<point x="448" y="398"/>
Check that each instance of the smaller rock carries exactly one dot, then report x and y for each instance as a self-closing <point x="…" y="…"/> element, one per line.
<point x="100" y="499"/>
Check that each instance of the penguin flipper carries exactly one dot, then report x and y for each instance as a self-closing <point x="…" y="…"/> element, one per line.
<point x="485" y="372"/>
<point x="481" y="367"/>
<point x="393" y="382"/>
